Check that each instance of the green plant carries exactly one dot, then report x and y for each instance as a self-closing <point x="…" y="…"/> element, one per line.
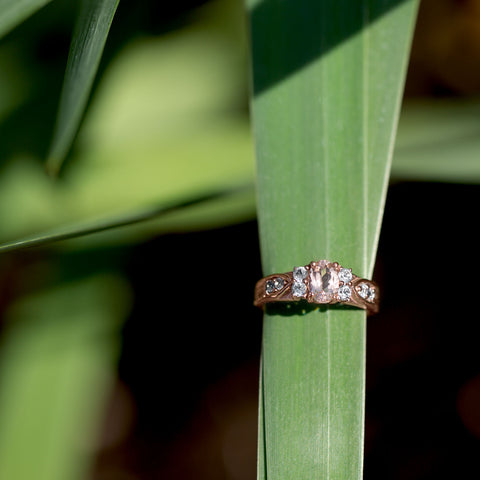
<point x="325" y="107"/>
<point x="326" y="95"/>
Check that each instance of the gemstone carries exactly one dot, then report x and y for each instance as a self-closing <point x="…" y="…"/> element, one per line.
<point x="299" y="289"/>
<point x="278" y="283"/>
<point x="371" y="295"/>
<point x="345" y="275"/>
<point x="323" y="282"/>
<point x="269" y="286"/>
<point x="363" y="290"/>
<point x="300" y="273"/>
<point x="344" y="293"/>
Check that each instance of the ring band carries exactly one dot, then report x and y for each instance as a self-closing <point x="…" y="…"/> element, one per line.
<point x="319" y="282"/>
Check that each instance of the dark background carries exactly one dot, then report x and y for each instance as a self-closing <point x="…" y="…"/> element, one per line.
<point x="195" y="397"/>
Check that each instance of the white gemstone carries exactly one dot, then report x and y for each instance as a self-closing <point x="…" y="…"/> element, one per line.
<point x="371" y="295"/>
<point x="344" y="293"/>
<point x="363" y="290"/>
<point x="299" y="289"/>
<point x="323" y="282"/>
<point x="300" y="273"/>
<point x="278" y="283"/>
<point x="269" y="286"/>
<point x="345" y="275"/>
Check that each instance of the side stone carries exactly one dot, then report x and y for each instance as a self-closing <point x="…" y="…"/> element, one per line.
<point x="299" y="289"/>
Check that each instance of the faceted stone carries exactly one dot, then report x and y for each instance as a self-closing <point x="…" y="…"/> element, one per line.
<point x="278" y="283"/>
<point x="299" y="289"/>
<point x="363" y="290"/>
<point x="371" y="295"/>
<point x="323" y="282"/>
<point x="300" y="273"/>
<point x="269" y="286"/>
<point x="344" y="293"/>
<point x="345" y="275"/>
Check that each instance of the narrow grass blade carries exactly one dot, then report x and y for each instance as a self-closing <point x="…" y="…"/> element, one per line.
<point x="89" y="228"/>
<point x="327" y="85"/>
<point x="58" y="356"/>
<point x="89" y="37"/>
<point x="14" y="12"/>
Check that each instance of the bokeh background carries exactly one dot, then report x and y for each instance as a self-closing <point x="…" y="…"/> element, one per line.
<point x="128" y="354"/>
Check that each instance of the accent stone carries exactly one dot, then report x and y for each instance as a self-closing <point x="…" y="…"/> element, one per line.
<point x="299" y="289"/>
<point x="269" y="286"/>
<point x="344" y="293"/>
<point x="345" y="275"/>
<point x="363" y="290"/>
<point x="300" y="273"/>
<point x="371" y="295"/>
<point x="278" y="283"/>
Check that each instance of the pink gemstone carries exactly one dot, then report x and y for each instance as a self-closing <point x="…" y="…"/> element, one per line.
<point x="323" y="281"/>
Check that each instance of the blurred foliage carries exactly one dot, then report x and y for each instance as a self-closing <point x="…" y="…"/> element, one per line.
<point x="168" y="122"/>
<point x="14" y="12"/>
<point x="438" y="141"/>
<point x="57" y="354"/>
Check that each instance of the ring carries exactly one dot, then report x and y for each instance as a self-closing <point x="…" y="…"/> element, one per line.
<point x="320" y="282"/>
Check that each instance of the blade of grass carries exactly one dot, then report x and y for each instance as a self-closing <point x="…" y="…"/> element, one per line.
<point x="89" y="37"/>
<point x="57" y="361"/>
<point x="327" y="82"/>
<point x="14" y="12"/>
<point x="89" y="228"/>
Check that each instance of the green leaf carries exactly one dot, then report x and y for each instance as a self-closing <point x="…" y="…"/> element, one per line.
<point x="14" y="12"/>
<point x="89" y="37"/>
<point x="58" y="356"/>
<point x="142" y="216"/>
<point x="164" y="129"/>
<point x="327" y="84"/>
<point x="438" y="141"/>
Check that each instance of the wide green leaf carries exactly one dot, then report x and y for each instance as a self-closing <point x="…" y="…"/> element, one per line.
<point x="14" y="12"/>
<point x="327" y="85"/>
<point x="89" y="37"/>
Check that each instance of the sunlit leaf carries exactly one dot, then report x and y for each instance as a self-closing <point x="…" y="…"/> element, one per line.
<point x="327" y="87"/>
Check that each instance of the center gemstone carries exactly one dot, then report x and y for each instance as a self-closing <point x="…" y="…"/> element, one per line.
<point x="323" y="281"/>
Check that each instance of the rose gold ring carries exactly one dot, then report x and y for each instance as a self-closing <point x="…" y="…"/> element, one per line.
<point x="321" y="282"/>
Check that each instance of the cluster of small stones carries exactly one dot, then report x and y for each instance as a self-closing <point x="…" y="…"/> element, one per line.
<point x="299" y="287"/>
<point x="274" y="285"/>
<point x="324" y="283"/>
<point x="366" y="292"/>
<point x="344" y="293"/>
